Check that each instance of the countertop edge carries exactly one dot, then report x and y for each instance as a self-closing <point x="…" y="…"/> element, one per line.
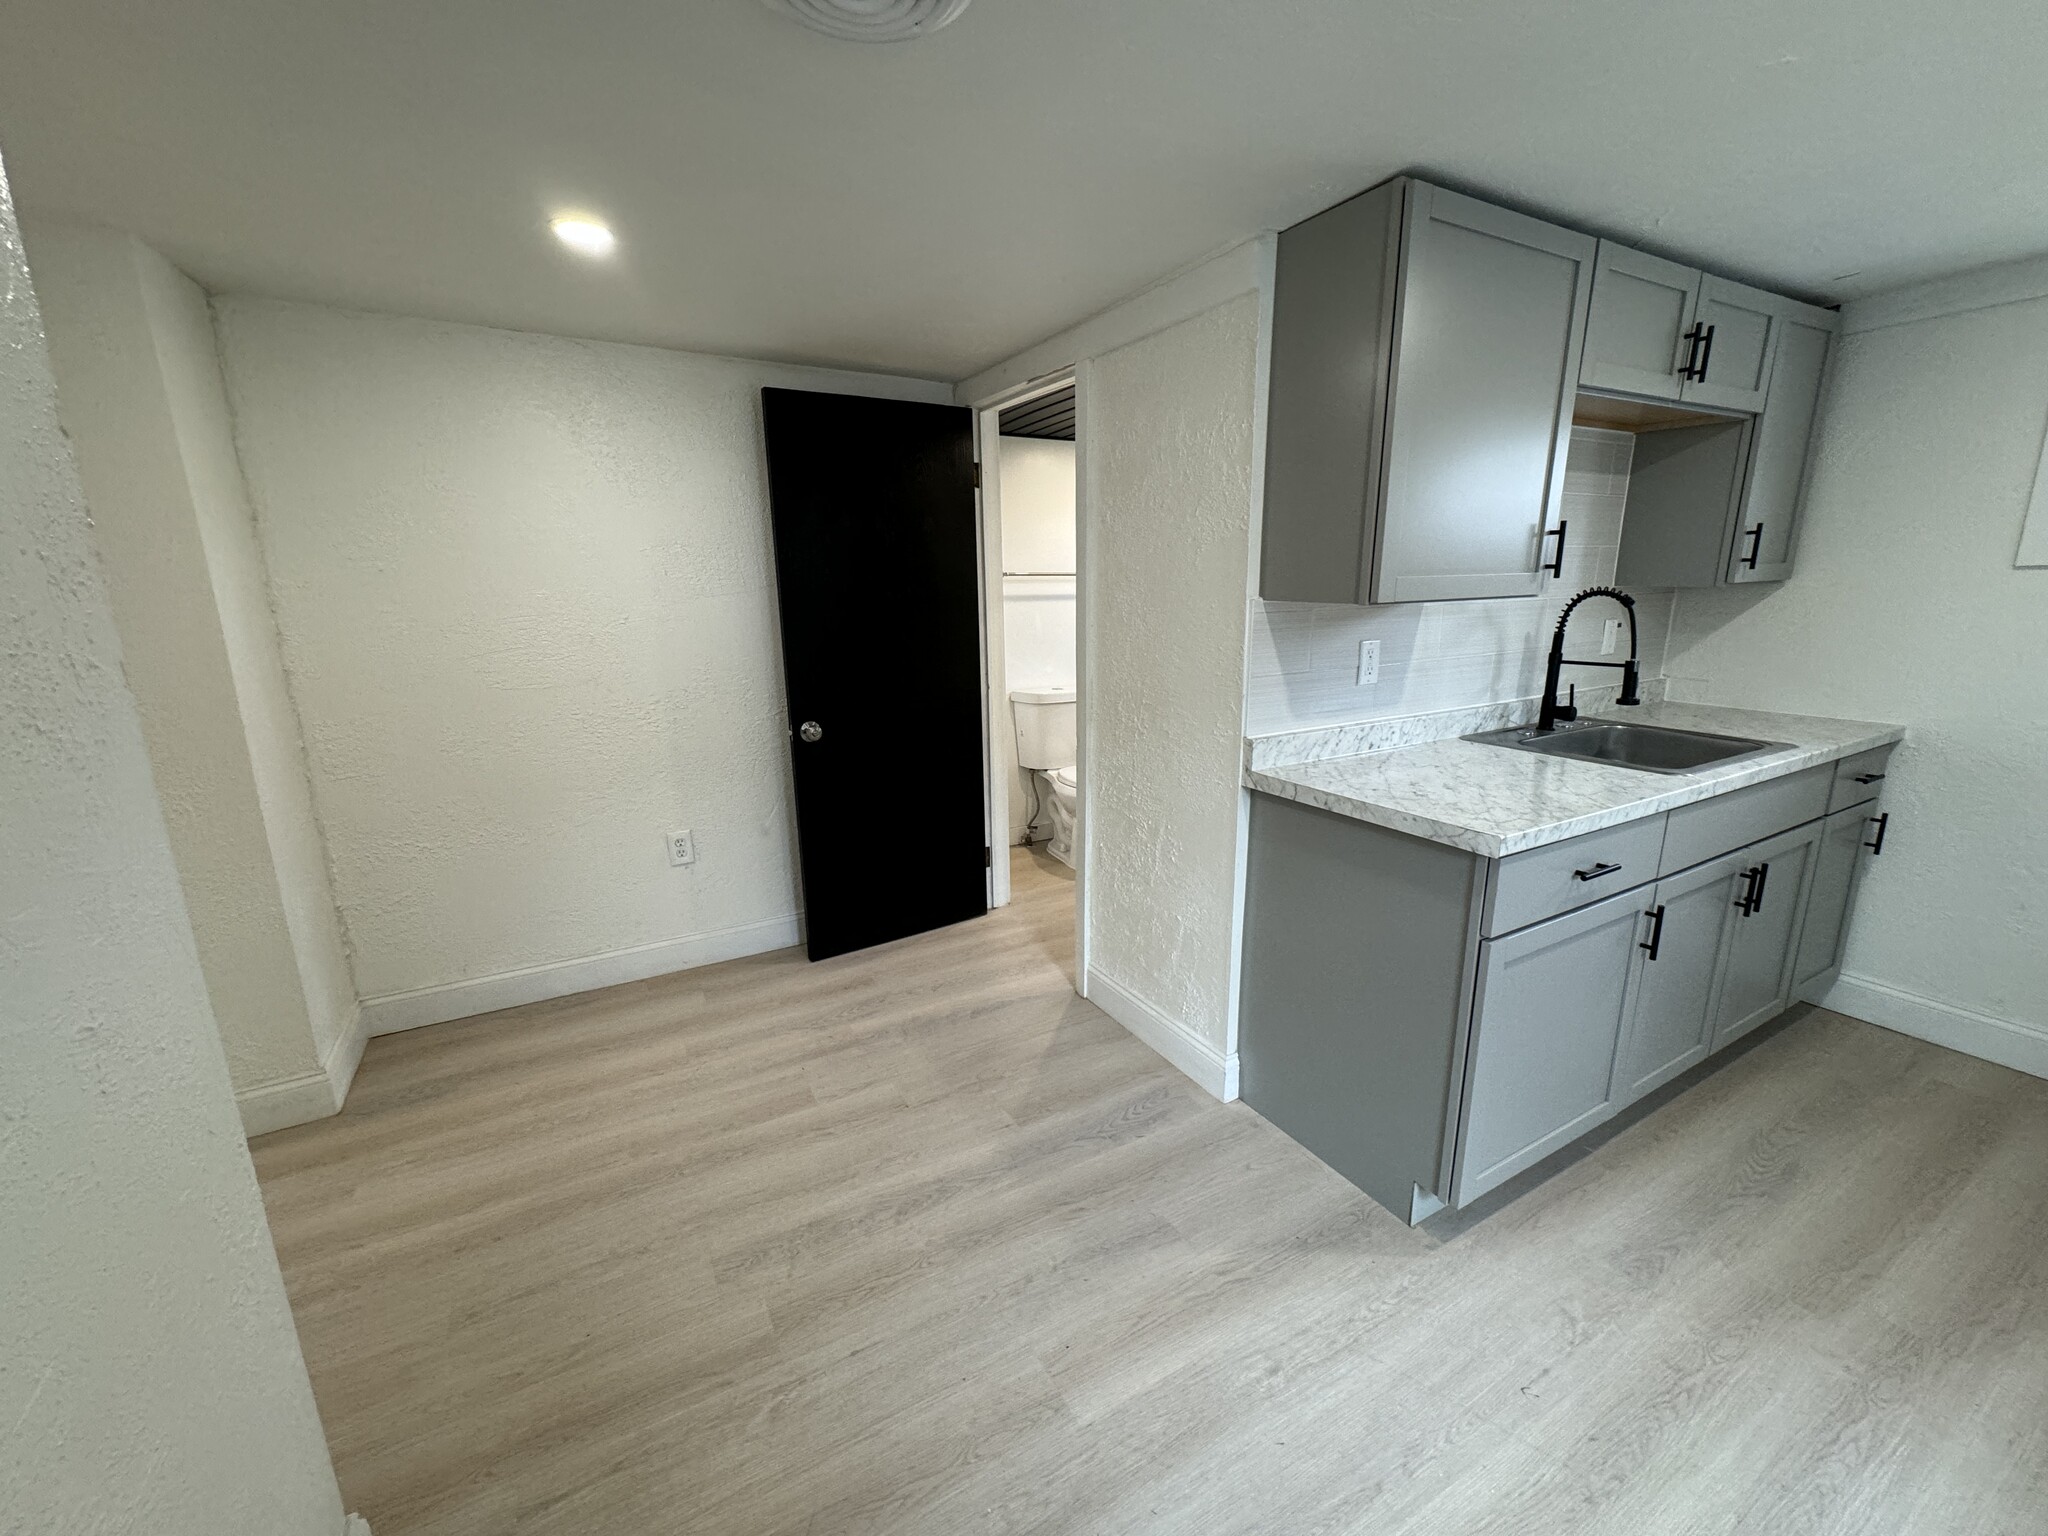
<point x="1683" y="791"/>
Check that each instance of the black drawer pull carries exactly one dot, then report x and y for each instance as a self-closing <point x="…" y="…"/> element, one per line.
<point x="1756" y="899"/>
<point x="1752" y="888"/>
<point x="1882" y="823"/>
<point x="1656" y="917"/>
<point x="1869" y="778"/>
<point x="1756" y="546"/>
<point x="1597" y="872"/>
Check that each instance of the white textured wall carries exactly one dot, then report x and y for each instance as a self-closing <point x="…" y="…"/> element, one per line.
<point x="1904" y="605"/>
<point x="183" y="323"/>
<point x="1038" y="604"/>
<point x="1304" y="669"/>
<point x="144" y="406"/>
<point x="1168" y="447"/>
<point x="150" y="1380"/>
<point x="525" y="592"/>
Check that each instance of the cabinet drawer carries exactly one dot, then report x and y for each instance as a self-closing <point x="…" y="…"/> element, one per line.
<point x="1708" y="828"/>
<point x="1528" y="887"/>
<point x="1858" y="778"/>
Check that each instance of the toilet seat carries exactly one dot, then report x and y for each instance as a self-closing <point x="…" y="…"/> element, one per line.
<point x="1067" y="778"/>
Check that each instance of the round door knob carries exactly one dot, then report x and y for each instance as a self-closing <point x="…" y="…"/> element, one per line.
<point x="810" y="730"/>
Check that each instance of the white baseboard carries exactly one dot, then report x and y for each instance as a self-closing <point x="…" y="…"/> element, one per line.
<point x="312" y="1095"/>
<point x="1209" y="1067"/>
<point x="561" y="978"/>
<point x="2023" y="1047"/>
<point x="294" y="1101"/>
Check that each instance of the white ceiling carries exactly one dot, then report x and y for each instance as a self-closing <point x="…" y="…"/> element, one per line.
<point x="933" y="207"/>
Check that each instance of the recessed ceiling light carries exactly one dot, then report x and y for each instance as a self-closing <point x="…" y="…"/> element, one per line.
<point x="871" y="21"/>
<point x="586" y="237"/>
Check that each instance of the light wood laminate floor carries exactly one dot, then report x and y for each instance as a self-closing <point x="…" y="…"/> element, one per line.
<point x="917" y="1241"/>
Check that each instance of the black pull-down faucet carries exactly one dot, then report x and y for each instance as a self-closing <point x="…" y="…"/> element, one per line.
<point x="1552" y="711"/>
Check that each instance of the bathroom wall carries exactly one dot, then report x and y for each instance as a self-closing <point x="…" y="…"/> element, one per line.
<point x="142" y="402"/>
<point x="150" y="1379"/>
<point x="1167" y="423"/>
<point x="1905" y="605"/>
<point x="1037" y="503"/>
<point x="526" y="599"/>
<point x="1304" y="657"/>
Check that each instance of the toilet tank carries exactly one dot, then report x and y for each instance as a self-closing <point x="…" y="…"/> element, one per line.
<point x="1045" y="727"/>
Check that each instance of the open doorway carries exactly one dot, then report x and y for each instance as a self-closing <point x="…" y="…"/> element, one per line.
<point x="1029" y="447"/>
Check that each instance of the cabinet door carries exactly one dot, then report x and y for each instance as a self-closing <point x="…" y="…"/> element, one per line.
<point x="1486" y="362"/>
<point x="1635" y="331"/>
<point x="1837" y="871"/>
<point x="1672" y="1023"/>
<point x="1546" y="1025"/>
<point x="1762" y="550"/>
<point x="1756" y="971"/>
<point x="1741" y="334"/>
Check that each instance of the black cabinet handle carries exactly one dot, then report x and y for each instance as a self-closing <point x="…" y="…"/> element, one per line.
<point x="1756" y="546"/>
<point x="1706" y="355"/>
<point x="1882" y="823"/>
<point x="1656" y="917"/>
<point x="1556" y="566"/>
<point x="1869" y="778"/>
<point x="1752" y="884"/>
<point x="1756" y="899"/>
<point x="1597" y="872"/>
<point x="1692" y="339"/>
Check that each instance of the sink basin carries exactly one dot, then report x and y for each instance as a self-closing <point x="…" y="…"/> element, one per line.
<point x="1651" y="748"/>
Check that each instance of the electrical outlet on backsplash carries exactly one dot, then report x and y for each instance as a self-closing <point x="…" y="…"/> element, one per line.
<point x="1437" y="656"/>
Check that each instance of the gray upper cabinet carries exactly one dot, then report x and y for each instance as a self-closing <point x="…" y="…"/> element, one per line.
<point x="1738" y="336"/>
<point x="1719" y="502"/>
<point x="1425" y="358"/>
<point x="1776" y="482"/>
<point x="1661" y="330"/>
<point x="1642" y="308"/>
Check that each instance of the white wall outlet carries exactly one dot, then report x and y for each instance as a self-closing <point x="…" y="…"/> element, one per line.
<point x="681" y="849"/>
<point x="1610" y="637"/>
<point x="1368" y="662"/>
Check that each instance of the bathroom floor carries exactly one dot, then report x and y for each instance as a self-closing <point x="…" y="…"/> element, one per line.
<point x="916" y="1240"/>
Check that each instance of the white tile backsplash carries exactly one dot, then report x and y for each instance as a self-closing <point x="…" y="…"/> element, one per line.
<point x="1436" y="656"/>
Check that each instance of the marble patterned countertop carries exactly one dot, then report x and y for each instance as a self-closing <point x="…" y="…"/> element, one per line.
<point x="1494" y="801"/>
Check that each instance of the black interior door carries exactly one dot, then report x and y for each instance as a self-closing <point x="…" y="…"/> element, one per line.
<point x="877" y="570"/>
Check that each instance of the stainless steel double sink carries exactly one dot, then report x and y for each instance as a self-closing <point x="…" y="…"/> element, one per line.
<point x="1649" y="748"/>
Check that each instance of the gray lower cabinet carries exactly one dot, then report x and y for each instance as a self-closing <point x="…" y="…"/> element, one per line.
<point x="1431" y="1023"/>
<point x="1756" y="973"/>
<point x="1548" y="1019"/>
<point x="1425" y="361"/>
<point x="1849" y="839"/>
<point x="1672" y="1024"/>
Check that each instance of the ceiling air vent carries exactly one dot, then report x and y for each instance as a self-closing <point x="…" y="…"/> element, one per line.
<point x="871" y="21"/>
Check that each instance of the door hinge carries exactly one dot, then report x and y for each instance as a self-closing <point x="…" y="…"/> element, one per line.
<point x="988" y="857"/>
<point x="977" y="474"/>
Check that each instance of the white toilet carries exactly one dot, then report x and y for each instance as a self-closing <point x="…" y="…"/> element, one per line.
<point x="1046" y="736"/>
